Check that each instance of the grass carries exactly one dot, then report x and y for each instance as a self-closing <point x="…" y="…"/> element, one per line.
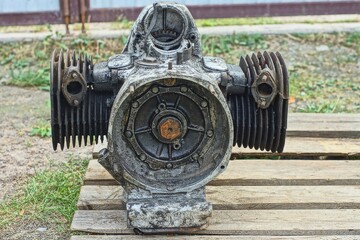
<point x="213" y="22"/>
<point x="27" y="64"/>
<point x="49" y="196"/>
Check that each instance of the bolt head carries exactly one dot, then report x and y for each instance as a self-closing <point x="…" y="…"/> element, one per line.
<point x="135" y="104"/>
<point x="210" y="133"/>
<point x="155" y="89"/>
<point x="142" y="157"/>
<point x="183" y="89"/>
<point x="204" y="104"/>
<point x="128" y="134"/>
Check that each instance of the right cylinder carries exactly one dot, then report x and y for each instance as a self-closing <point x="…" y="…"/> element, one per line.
<point x="260" y="115"/>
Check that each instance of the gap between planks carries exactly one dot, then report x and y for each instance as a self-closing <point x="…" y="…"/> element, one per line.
<point x="264" y="173"/>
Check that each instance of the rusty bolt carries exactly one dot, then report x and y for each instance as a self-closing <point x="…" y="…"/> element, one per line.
<point x="170" y="128"/>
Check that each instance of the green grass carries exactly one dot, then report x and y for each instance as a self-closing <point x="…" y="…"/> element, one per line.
<point x="49" y="196"/>
<point x="41" y="131"/>
<point x="213" y="22"/>
<point x="215" y="45"/>
<point x="27" y="64"/>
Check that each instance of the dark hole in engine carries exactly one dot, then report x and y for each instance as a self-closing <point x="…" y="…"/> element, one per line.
<point x="74" y="87"/>
<point x="264" y="89"/>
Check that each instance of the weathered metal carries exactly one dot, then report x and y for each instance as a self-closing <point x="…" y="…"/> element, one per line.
<point x="170" y="114"/>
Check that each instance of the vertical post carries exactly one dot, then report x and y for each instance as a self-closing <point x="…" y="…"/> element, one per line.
<point x="66" y="14"/>
<point x="83" y="10"/>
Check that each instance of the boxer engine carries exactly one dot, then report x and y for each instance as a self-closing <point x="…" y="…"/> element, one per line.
<point x="170" y="115"/>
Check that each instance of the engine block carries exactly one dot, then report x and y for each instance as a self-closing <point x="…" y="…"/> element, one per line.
<point x="171" y="115"/>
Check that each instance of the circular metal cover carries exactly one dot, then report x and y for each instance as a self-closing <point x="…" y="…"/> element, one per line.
<point x="170" y="135"/>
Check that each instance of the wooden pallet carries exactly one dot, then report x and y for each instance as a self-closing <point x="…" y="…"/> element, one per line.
<point x="291" y="198"/>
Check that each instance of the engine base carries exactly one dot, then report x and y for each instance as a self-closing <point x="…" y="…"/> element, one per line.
<point x="177" y="213"/>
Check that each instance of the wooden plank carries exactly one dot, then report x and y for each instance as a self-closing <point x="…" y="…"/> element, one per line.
<point x="264" y="172"/>
<point x="241" y="197"/>
<point x="239" y="222"/>
<point x="308" y="147"/>
<point x="324" y="125"/>
<point x="199" y="237"/>
<point x="295" y="147"/>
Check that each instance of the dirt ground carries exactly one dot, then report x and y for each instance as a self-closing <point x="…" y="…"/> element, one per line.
<point x="21" y="154"/>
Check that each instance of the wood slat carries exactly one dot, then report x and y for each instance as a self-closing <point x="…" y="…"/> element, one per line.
<point x="241" y="197"/>
<point x="325" y="125"/>
<point x="239" y="222"/>
<point x="222" y="237"/>
<point x="295" y="147"/>
<point x="265" y="173"/>
<point x="307" y="147"/>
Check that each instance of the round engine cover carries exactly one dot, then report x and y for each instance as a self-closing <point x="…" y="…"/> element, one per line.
<point x="170" y="134"/>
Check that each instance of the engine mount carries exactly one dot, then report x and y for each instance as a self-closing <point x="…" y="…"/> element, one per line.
<point x="170" y="115"/>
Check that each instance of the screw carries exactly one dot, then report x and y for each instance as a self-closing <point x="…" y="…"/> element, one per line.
<point x="135" y="104"/>
<point x="74" y="75"/>
<point x="183" y="89"/>
<point x="169" y="166"/>
<point x="210" y="133"/>
<point x="264" y="78"/>
<point x="204" y="104"/>
<point x="155" y="89"/>
<point x="128" y="134"/>
<point x="76" y="102"/>
<point x="195" y="156"/>
<point x="142" y="157"/>
<point x="161" y="106"/>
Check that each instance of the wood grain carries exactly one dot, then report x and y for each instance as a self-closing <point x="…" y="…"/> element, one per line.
<point x="325" y="125"/>
<point x="239" y="222"/>
<point x="264" y="173"/>
<point x="241" y="197"/>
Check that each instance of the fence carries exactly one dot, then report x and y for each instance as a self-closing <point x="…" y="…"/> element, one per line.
<point x="34" y="12"/>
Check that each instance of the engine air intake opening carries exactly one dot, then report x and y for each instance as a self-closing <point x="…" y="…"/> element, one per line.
<point x="264" y="89"/>
<point x="74" y="87"/>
